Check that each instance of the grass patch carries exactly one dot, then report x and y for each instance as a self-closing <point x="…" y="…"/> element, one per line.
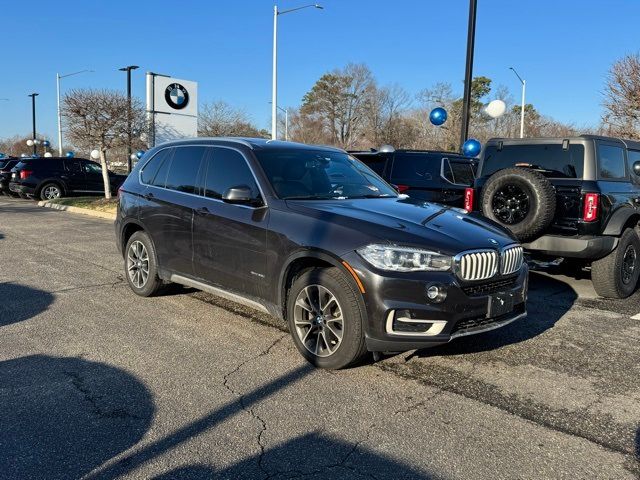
<point x="92" y="203"/>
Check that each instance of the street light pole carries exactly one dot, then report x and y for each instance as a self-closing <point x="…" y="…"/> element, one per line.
<point x="33" y="119"/>
<point x="128" y="70"/>
<point x="274" y="78"/>
<point x="524" y="86"/>
<point x="466" y="102"/>
<point x="58" y="77"/>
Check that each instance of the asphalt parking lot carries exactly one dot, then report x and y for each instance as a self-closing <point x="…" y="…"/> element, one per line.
<point x="98" y="383"/>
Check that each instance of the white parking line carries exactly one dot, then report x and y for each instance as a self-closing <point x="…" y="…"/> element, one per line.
<point x="636" y="317"/>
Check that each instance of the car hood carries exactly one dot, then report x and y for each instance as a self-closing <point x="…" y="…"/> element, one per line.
<point x="409" y="222"/>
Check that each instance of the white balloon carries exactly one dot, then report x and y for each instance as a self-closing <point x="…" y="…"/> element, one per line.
<point x="48" y="154"/>
<point x="95" y="154"/>
<point x="134" y="157"/>
<point x="496" y="108"/>
<point x="30" y="143"/>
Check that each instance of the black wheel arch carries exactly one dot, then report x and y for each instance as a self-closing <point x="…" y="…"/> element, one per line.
<point x="301" y="261"/>
<point x="621" y="219"/>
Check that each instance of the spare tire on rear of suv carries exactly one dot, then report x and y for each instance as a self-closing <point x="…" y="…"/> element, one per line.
<point x="522" y="200"/>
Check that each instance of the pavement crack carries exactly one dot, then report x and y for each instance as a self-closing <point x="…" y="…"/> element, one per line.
<point x="94" y="400"/>
<point x="250" y="410"/>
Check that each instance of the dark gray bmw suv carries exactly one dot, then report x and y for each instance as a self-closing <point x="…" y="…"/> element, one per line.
<point x="311" y="235"/>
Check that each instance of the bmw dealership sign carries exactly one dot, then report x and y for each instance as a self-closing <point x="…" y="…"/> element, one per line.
<point x="172" y="107"/>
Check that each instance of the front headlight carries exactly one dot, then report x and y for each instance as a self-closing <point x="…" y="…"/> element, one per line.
<point x="404" y="259"/>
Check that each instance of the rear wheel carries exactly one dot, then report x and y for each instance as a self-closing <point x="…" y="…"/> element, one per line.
<point x="141" y="266"/>
<point x="616" y="275"/>
<point x="325" y="318"/>
<point x="50" y="191"/>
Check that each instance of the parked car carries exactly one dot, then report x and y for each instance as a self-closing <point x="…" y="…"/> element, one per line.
<point x="54" y="177"/>
<point x="6" y="164"/>
<point x="431" y="176"/>
<point x="575" y="198"/>
<point x="311" y="235"/>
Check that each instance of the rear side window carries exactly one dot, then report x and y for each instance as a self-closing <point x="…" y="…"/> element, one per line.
<point x="459" y="173"/>
<point x="183" y="172"/>
<point x="611" y="162"/>
<point x="226" y="169"/>
<point x="558" y="162"/>
<point x="416" y="169"/>
<point x="73" y="166"/>
<point x="150" y="169"/>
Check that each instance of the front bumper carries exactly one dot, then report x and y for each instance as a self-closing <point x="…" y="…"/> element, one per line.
<point x="402" y="296"/>
<point x="586" y="247"/>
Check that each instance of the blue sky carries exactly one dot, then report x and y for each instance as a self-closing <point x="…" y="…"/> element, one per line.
<point x="563" y="48"/>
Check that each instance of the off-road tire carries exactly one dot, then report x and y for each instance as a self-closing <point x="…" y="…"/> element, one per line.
<point x="352" y="348"/>
<point x="153" y="282"/>
<point x="541" y="197"/>
<point x="607" y="274"/>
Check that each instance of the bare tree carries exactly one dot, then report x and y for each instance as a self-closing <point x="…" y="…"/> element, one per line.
<point x="622" y="97"/>
<point x="337" y="101"/>
<point x="219" y="119"/>
<point x="97" y="119"/>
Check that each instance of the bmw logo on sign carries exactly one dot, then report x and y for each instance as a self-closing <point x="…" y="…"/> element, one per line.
<point x="176" y="96"/>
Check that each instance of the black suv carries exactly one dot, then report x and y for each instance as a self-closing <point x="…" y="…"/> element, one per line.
<point x="6" y="164"/>
<point x="311" y="235"/>
<point x="430" y="176"/>
<point x="53" y="177"/>
<point x="575" y="198"/>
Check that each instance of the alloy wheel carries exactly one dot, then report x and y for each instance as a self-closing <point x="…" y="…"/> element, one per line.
<point x="138" y="264"/>
<point x="510" y="204"/>
<point x="318" y="320"/>
<point x="51" y="192"/>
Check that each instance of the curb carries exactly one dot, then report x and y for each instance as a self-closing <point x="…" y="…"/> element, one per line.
<point x="83" y="211"/>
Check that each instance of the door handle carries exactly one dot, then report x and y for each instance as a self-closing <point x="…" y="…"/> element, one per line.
<point x="202" y="211"/>
<point x="148" y="196"/>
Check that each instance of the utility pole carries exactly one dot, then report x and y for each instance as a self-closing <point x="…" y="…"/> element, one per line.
<point x="466" y="102"/>
<point x="128" y="70"/>
<point x="33" y="119"/>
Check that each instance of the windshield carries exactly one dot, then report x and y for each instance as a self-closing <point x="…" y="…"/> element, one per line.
<point x="553" y="159"/>
<point x="315" y="175"/>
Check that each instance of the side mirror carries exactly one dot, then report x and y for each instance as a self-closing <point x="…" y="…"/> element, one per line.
<point x="636" y="168"/>
<point x="238" y="194"/>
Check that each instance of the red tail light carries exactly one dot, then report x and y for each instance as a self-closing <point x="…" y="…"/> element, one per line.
<point x="468" y="199"/>
<point x="590" y="209"/>
<point x="25" y="173"/>
<point x="402" y="188"/>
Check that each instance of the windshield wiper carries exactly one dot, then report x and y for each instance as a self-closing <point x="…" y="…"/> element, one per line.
<point x="314" y="197"/>
<point x="371" y="195"/>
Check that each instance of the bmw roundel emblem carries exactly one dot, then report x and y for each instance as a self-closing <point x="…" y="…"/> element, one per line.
<point x="493" y="241"/>
<point x="176" y="96"/>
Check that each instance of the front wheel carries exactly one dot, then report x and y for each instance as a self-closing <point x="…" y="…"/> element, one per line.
<point x="616" y="275"/>
<point x="326" y="319"/>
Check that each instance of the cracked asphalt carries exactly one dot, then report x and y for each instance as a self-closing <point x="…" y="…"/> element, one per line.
<point x="98" y="383"/>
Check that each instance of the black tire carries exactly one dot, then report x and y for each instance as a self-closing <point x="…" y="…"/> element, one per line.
<point x="48" y="188"/>
<point x="351" y="348"/>
<point x="616" y="275"/>
<point x="522" y="200"/>
<point x="152" y="283"/>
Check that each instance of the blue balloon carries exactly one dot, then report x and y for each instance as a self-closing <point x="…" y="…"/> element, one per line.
<point x="139" y="154"/>
<point x="471" y="148"/>
<point x="1" y="155"/>
<point x="70" y="154"/>
<point x="438" y="116"/>
<point x="46" y="143"/>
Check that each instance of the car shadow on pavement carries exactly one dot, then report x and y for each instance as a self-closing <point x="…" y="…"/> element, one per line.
<point x="322" y="455"/>
<point x="62" y="417"/>
<point x="20" y="302"/>
<point x="549" y="299"/>
<point x="322" y="458"/>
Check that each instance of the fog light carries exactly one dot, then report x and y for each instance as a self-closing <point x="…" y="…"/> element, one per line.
<point x="436" y="293"/>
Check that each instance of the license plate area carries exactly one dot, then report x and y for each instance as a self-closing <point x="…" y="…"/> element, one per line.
<point x="500" y="304"/>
